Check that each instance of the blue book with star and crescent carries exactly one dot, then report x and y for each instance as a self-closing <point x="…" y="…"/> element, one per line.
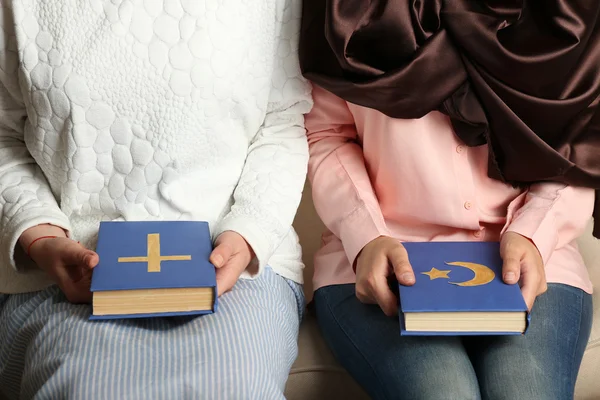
<point x="153" y="269"/>
<point x="459" y="291"/>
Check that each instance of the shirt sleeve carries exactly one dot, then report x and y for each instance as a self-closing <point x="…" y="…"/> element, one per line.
<point x="551" y="215"/>
<point x="342" y="191"/>
<point x="26" y="199"/>
<point x="270" y="187"/>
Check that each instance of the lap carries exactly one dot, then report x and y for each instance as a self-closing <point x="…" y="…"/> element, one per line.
<point x="245" y="349"/>
<point x="389" y="366"/>
<point x="543" y="364"/>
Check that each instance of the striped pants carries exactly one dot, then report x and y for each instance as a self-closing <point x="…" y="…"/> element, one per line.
<point x="49" y="349"/>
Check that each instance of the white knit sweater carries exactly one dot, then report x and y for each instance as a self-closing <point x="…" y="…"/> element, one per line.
<point x="151" y="110"/>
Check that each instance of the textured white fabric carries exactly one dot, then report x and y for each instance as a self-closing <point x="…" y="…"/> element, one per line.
<point x="151" y="110"/>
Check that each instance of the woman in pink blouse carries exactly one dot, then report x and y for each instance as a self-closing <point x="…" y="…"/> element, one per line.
<point x="378" y="182"/>
<point x="423" y="109"/>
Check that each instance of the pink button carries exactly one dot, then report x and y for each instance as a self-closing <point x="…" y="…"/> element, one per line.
<point x="478" y="234"/>
<point x="468" y="205"/>
<point x="459" y="149"/>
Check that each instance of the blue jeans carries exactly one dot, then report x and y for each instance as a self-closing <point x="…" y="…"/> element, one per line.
<point x="543" y="364"/>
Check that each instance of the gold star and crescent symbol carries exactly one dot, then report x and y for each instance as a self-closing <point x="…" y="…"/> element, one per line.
<point x="436" y="274"/>
<point x="153" y="256"/>
<point x="483" y="274"/>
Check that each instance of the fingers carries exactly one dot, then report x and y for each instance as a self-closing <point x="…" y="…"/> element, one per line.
<point x="73" y="290"/>
<point x="364" y="295"/>
<point x="529" y="289"/>
<point x="378" y="283"/>
<point x="511" y="270"/>
<point x="383" y="295"/>
<point x="79" y="296"/>
<point x="77" y="261"/>
<point x="512" y="256"/>
<point x="543" y="287"/>
<point x="523" y="263"/>
<point x="372" y="285"/>
<point x="377" y="292"/>
<point x="221" y="254"/>
<point x="92" y="259"/>
<point x="533" y="282"/>
<point x="76" y="255"/>
<point x="82" y="293"/>
<point x="227" y="276"/>
<point x="401" y="265"/>
<point x="230" y="245"/>
<point x="72" y="271"/>
<point x="231" y="256"/>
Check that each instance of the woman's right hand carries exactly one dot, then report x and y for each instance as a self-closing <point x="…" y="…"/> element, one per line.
<point x="67" y="262"/>
<point x="379" y="259"/>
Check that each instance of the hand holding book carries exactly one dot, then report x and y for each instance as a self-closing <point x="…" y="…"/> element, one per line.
<point x="66" y="261"/>
<point x="523" y="263"/>
<point x="453" y="288"/>
<point x="232" y="256"/>
<point x="378" y="260"/>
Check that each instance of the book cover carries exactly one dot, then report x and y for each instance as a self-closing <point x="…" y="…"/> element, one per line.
<point x="458" y="277"/>
<point x="154" y="255"/>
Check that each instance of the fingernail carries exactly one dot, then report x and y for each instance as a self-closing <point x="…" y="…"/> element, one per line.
<point x="509" y="276"/>
<point x="218" y="260"/>
<point x="407" y="277"/>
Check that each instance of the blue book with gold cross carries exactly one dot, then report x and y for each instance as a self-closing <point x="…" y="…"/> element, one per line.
<point x="153" y="269"/>
<point x="459" y="291"/>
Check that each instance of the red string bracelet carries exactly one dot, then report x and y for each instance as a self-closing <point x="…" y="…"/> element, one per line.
<point x="40" y="238"/>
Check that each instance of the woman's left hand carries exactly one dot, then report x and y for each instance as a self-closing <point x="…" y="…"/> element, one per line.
<point x="231" y="256"/>
<point x="523" y="263"/>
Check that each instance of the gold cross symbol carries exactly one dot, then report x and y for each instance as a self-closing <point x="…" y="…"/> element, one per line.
<point x="154" y="257"/>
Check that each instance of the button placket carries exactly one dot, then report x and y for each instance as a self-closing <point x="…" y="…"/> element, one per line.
<point x="465" y="185"/>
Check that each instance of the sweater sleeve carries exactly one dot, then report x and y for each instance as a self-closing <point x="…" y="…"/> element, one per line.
<point x="270" y="187"/>
<point x="26" y="199"/>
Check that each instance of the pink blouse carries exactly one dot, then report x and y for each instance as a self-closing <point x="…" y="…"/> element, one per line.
<point x="415" y="180"/>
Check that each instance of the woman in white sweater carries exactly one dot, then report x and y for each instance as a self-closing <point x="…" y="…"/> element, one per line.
<point x="149" y="110"/>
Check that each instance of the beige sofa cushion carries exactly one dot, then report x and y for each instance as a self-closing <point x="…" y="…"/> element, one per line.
<point x="315" y="374"/>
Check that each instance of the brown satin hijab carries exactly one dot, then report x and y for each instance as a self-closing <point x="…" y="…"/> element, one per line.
<point x="520" y="75"/>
